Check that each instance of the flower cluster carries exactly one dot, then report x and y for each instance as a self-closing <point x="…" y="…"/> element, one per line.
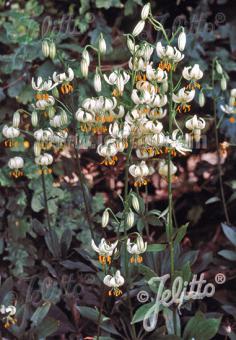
<point x="8" y="315"/>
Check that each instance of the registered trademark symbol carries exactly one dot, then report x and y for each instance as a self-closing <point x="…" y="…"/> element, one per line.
<point x="220" y="278"/>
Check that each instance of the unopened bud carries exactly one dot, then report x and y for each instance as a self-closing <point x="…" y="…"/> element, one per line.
<point x="131" y="45"/>
<point x="34" y="118"/>
<point x="130" y="219"/>
<point x="37" y="149"/>
<point x="45" y="48"/>
<point x="51" y="112"/>
<point x="102" y="44"/>
<point x="52" y="50"/>
<point x="223" y="83"/>
<point x="219" y="68"/>
<point x="145" y="11"/>
<point x="201" y="99"/>
<point x="97" y="82"/>
<point x="64" y="118"/>
<point x="16" y="119"/>
<point x="138" y="28"/>
<point x="105" y="218"/>
<point x="84" y="68"/>
<point x="135" y="203"/>
<point x="182" y="40"/>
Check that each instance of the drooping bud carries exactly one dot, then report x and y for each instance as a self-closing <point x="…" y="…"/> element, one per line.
<point x="34" y="118"/>
<point x="105" y="218"/>
<point x="102" y="44"/>
<point x="16" y="119"/>
<point x="135" y="203"/>
<point x="145" y="11"/>
<point x="64" y="118"/>
<point x="182" y="40"/>
<point x="131" y="45"/>
<point x="130" y="219"/>
<point x="201" y="99"/>
<point x="219" y="68"/>
<point x="84" y="68"/>
<point x="138" y="28"/>
<point x="45" y="48"/>
<point x="55" y="92"/>
<point x="85" y="55"/>
<point x="52" y="50"/>
<point x="37" y="149"/>
<point x="51" y="112"/>
<point x="97" y="82"/>
<point x="223" y="83"/>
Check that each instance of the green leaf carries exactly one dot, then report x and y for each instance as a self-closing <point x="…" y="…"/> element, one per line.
<point x="156" y="247"/>
<point x="40" y="313"/>
<point x="230" y="233"/>
<point x="52" y="242"/>
<point x="46" y="328"/>
<point x="141" y="312"/>
<point x="228" y="254"/>
<point x="66" y="241"/>
<point x="181" y="233"/>
<point x="200" y="328"/>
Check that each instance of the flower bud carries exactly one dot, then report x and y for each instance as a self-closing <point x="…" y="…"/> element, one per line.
<point x="64" y="118"/>
<point x="45" y="48"/>
<point x="231" y="101"/>
<point x="130" y="219"/>
<point x="131" y="45"/>
<point x="223" y="83"/>
<point x="16" y="119"/>
<point x="135" y="203"/>
<point x="165" y="86"/>
<point x="219" y="68"/>
<point x="34" y="118"/>
<point x="102" y="44"/>
<point x="51" y="112"/>
<point x="201" y="99"/>
<point x="55" y="92"/>
<point x="52" y="50"/>
<point x="182" y="40"/>
<point x="233" y="93"/>
<point x="105" y="218"/>
<point x="85" y="55"/>
<point x="37" y="149"/>
<point x="84" y="68"/>
<point x="145" y="11"/>
<point x="97" y="82"/>
<point x="138" y="28"/>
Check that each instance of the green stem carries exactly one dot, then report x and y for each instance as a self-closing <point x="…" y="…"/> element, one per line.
<point x="126" y="207"/>
<point x="45" y="199"/>
<point x="219" y="167"/>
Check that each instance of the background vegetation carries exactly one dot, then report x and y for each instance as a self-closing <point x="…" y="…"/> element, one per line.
<point x="56" y="284"/>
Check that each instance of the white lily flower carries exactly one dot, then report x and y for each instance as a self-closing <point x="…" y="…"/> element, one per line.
<point x="10" y="132"/>
<point x="139" y="172"/>
<point x="136" y="248"/>
<point x="163" y="169"/>
<point x="157" y="113"/>
<point x="43" y="104"/>
<point x="192" y="73"/>
<point x="159" y="101"/>
<point x="196" y="124"/>
<point x="16" y="163"/>
<point x="144" y="98"/>
<point x="114" y="282"/>
<point x="154" y="127"/>
<point x="183" y="97"/>
<point x="228" y="109"/>
<point x="145" y="153"/>
<point x="158" y="75"/>
<point x="176" y="142"/>
<point x="43" y="135"/>
<point x="169" y="55"/>
<point x="105" y="250"/>
<point x="144" y="51"/>
<point x="119" y="79"/>
<point x="40" y="85"/>
<point x="44" y="159"/>
<point x="63" y="77"/>
<point x="108" y="151"/>
<point x="84" y="117"/>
